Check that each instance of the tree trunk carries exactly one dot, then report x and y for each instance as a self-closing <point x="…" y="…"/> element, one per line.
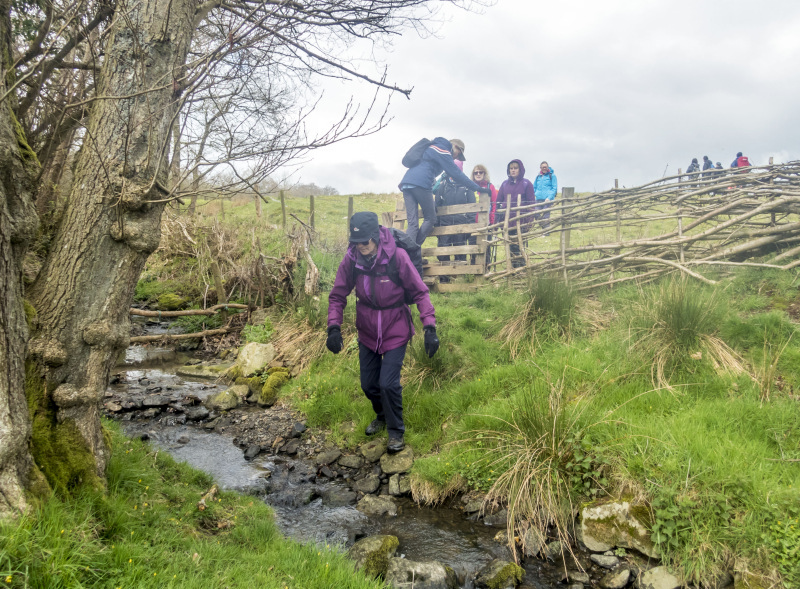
<point x="17" y="226"/>
<point x="108" y="229"/>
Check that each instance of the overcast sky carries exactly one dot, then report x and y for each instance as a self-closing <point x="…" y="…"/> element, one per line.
<point x="601" y="90"/>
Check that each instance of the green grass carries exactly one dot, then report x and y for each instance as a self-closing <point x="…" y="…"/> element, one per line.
<point x="147" y="531"/>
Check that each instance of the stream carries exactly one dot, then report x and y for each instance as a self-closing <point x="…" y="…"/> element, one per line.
<point x="308" y="507"/>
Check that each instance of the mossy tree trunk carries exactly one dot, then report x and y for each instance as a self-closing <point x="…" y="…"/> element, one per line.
<point x="17" y="226"/>
<point x="109" y="227"/>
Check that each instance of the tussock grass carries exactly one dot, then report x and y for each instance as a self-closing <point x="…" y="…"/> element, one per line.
<point x="675" y="323"/>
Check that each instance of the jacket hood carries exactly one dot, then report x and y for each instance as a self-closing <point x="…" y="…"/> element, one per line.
<point x="521" y="169"/>
<point x="442" y="143"/>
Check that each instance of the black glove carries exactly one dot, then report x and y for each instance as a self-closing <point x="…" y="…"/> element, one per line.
<point x="431" y="341"/>
<point x="483" y="190"/>
<point x="335" y="343"/>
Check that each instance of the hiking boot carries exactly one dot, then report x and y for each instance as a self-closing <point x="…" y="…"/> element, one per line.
<point x="395" y="444"/>
<point x="374" y="427"/>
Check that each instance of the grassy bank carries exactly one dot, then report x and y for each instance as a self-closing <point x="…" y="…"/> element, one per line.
<point x="147" y="531"/>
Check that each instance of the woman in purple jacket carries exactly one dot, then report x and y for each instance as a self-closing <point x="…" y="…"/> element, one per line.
<point x="382" y="274"/>
<point x="520" y="190"/>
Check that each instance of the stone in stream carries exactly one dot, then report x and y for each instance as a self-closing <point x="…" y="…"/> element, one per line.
<point x="196" y="413"/>
<point x="577" y="577"/>
<point x="616" y="579"/>
<point x="252" y="452"/>
<point x="374" y="506"/>
<point x="291" y="447"/>
<point x="400" y="462"/>
<point x="351" y="461"/>
<point x="371" y="555"/>
<point x="607" y="562"/>
<point x="203" y="370"/>
<point x="408" y="574"/>
<point x="499" y="574"/>
<point x="373" y="450"/>
<point x="399" y="485"/>
<point x="183" y="440"/>
<point x="298" y="429"/>
<point x="157" y="400"/>
<point x="338" y="497"/>
<point x="223" y="401"/>
<point x="658" y="578"/>
<point x="115" y="407"/>
<point x="496" y="520"/>
<point x="328" y="456"/>
<point x="369" y="484"/>
<point x="618" y="523"/>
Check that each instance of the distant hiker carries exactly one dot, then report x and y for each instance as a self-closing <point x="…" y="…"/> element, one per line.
<point x="382" y="275"/>
<point x="447" y="194"/>
<point x="418" y="180"/>
<point x="741" y="161"/>
<point x="707" y="165"/>
<point x="545" y="186"/>
<point x="521" y="193"/>
<point x="480" y="175"/>
<point x="693" y="168"/>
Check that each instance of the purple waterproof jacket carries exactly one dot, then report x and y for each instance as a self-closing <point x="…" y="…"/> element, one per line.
<point x="522" y="188"/>
<point x="383" y="321"/>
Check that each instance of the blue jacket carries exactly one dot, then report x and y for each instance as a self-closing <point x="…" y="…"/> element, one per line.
<point x="437" y="158"/>
<point x="545" y="186"/>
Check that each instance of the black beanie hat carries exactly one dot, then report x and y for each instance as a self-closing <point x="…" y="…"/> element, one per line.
<point x="363" y="227"/>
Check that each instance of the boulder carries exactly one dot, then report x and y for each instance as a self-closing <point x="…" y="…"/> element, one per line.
<point x="607" y="562"/>
<point x="241" y="391"/>
<point x="407" y="574"/>
<point x="554" y="550"/>
<point x="252" y="358"/>
<point x="616" y="579"/>
<point x="533" y="542"/>
<point x="577" y="577"/>
<point x="213" y="371"/>
<point x="351" y="461"/>
<point x="328" y="456"/>
<point x="223" y="401"/>
<point x="369" y="484"/>
<point x="371" y="555"/>
<point x="658" y="578"/>
<point x="617" y="523"/>
<point x="373" y="450"/>
<point x="400" y="462"/>
<point x="496" y="520"/>
<point x="253" y="384"/>
<point x="156" y="401"/>
<point x="269" y="392"/>
<point x="338" y="497"/>
<point x="499" y="574"/>
<point x="399" y="485"/>
<point x="373" y="506"/>
<point x="196" y="413"/>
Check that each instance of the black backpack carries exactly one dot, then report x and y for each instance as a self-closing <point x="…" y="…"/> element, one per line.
<point x="403" y="241"/>
<point x="447" y="194"/>
<point x="414" y="155"/>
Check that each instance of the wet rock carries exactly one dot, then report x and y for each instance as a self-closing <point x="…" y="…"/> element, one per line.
<point x="497" y="520"/>
<point x="575" y="586"/>
<point x="533" y="542"/>
<point x="576" y="577"/>
<point x="252" y="452"/>
<point x="183" y="440"/>
<point x="616" y="579"/>
<point x="252" y="358"/>
<point x="223" y="401"/>
<point x="369" y="484"/>
<point x="291" y="447"/>
<point x="658" y="578"/>
<point x="150" y="413"/>
<point x="607" y="562"/>
<point x="153" y="389"/>
<point x="156" y="400"/>
<point x="499" y="574"/>
<point x="399" y="485"/>
<point x="213" y="371"/>
<point x="371" y="555"/>
<point x="338" y="497"/>
<point x="128" y="405"/>
<point x="327" y="472"/>
<point x="196" y="413"/>
<point x="241" y="391"/>
<point x="554" y="550"/>
<point x="373" y="450"/>
<point x="328" y="456"/>
<point x="351" y="461"/>
<point x="407" y="574"/>
<point x="400" y="462"/>
<point x="374" y="506"/>
<point x="113" y="407"/>
<point x="298" y="429"/>
<point x="473" y="506"/>
<point x="617" y="523"/>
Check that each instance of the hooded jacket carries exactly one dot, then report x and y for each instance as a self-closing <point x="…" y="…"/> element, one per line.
<point x="437" y="158"/>
<point x="545" y="186"/>
<point x="519" y="186"/>
<point x="383" y="320"/>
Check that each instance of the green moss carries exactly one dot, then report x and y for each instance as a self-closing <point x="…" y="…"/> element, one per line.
<point x="509" y="571"/>
<point x="25" y="150"/>
<point x="377" y="562"/>
<point x="171" y="302"/>
<point x="269" y="392"/>
<point x="58" y="448"/>
<point x="30" y="314"/>
<point x="253" y="383"/>
<point x="234" y="373"/>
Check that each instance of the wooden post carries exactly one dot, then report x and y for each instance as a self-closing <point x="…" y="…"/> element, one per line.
<point x="566" y="194"/>
<point x="520" y="242"/>
<point x="483" y="221"/>
<point x="507" y="238"/>
<point x="283" y="209"/>
<point x="680" y="231"/>
<point x="770" y="160"/>
<point x="311" y="209"/>
<point x="619" y="226"/>
<point x="258" y="206"/>
<point x="349" y="212"/>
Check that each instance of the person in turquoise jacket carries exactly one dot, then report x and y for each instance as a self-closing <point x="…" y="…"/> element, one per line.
<point x="545" y="186"/>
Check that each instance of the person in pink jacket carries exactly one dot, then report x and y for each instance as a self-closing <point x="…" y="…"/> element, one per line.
<point x="382" y="275"/>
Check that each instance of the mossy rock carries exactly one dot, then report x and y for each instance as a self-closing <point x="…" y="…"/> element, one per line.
<point x="500" y="574"/>
<point x="253" y="383"/>
<point x="171" y="302"/>
<point x="269" y="392"/>
<point x="371" y="555"/>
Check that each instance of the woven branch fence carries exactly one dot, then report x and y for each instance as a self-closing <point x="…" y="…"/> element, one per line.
<point x="678" y="223"/>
